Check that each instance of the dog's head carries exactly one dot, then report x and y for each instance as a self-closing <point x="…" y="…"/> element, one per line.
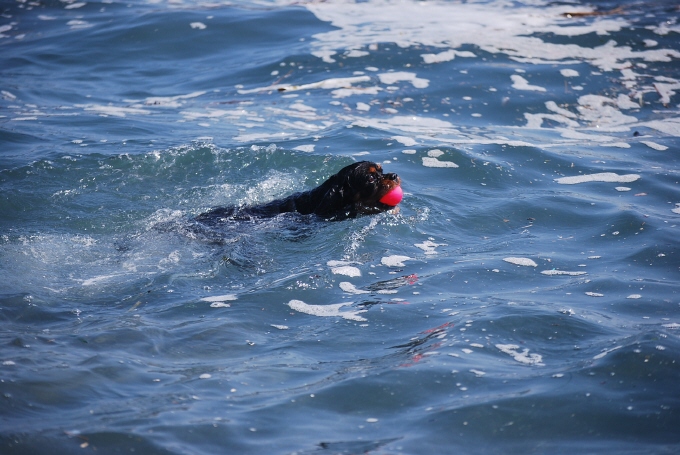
<point x="359" y="188"/>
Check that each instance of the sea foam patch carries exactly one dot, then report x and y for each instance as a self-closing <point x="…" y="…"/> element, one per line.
<point x="394" y="261"/>
<point x="344" y="268"/>
<point x="220" y="301"/>
<point x="445" y="56"/>
<point x="519" y="83"/>
<point x="351" y="289"/>
<point x="521" y="356"/>
<point x="429" y="161"/>
<point x="405" y="140"/>
<point x="429" y="247"/>
<point x="525" y="262"/>
<point x="332" y="310"/>
<point x="562" y="272"/>
<point x="608" y="177"/>
<point x="398" y="76"/>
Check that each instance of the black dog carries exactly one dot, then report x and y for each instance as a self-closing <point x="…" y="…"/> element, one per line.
<point x="356" y="189"/>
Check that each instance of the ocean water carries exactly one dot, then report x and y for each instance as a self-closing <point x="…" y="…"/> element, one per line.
<point x="524" y="298"/>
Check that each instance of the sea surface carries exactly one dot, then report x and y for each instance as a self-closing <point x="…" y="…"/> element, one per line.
<point x="523" y="299"/>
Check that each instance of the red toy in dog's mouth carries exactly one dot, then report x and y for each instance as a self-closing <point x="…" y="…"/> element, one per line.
<point x="393" y="197"/>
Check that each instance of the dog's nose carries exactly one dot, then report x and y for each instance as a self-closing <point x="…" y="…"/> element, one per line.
<point x="393" y="177"/>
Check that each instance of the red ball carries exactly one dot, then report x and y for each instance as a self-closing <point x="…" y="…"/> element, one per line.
<point x="393" y="197"/>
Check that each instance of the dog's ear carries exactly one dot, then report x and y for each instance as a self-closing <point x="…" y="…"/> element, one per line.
<point x="333" y="198"/>
<point x="341" y="191"/>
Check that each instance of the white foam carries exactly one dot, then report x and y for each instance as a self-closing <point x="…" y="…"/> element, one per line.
<point x="345" y="92"/>
<point x="344" y="268"/>
<point x="624" y="102"/>
<point x="301" y="107"/>
<point x="654" y="145"/>
<point x="596" y="138"/>
<point x="494" y="27"/>
<point x="99" y="279"/>
<point x="8" y="95"/>
<point x="407" y="124"/>
<point x="398" y="76"/>
<point x="665" y="27"/>
<point x="551" y="105"/>
<point x="394" y="261"/>
<point x="307" y="148"/>
<point x="670" y="126"/>
<point x="604" y="353"/>
<point x="220" y="305"/>
<point x="569" y="72"/>
<point x="198" y="25"/>
<point x="601" y="111"/>
<point x="404" y="140"/>
<point x="536" y="120"/>
<point x="171" y="101"/>
<point x="351" y="289"/>
<point x="429" y="246"/>
<point x="211" y="114"/>
<point x="77" y="24"/>
<point x="519" y="83"/>
<point x="526" y="262"/>
<point x="326" y="84"/>
<point x="115" y="111"/>
<point x="608" y="177"/>
<point x="327" y="310"/>
<point x="478" y="373"/>
<point x="445" y="56"/>
<point x="219" y="298"/>
<point x="325" y="55"/>
<point x="521" y="357"/>
<point x="666" y="90"/>
<point x="562" y="272"/>
<point x="428" y="161"/>
<point x="354" y="53"/>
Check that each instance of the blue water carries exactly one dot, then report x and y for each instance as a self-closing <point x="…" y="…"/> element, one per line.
<point x="523" y="299"/>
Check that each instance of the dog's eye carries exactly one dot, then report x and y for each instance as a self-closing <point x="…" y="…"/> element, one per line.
<point x="371" y="178"/>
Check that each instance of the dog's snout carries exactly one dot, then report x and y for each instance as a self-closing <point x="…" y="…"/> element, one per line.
<point x="392" y="176"/>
